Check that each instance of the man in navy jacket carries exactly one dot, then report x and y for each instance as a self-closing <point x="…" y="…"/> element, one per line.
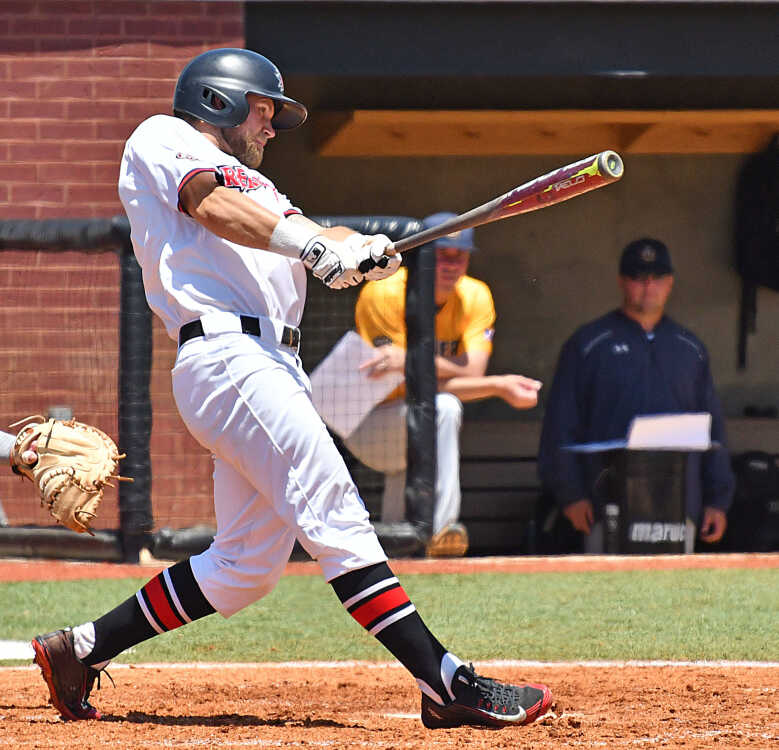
<point x="633" y="360"/>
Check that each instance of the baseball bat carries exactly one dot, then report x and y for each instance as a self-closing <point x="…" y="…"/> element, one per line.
<point x="566" y="182"/>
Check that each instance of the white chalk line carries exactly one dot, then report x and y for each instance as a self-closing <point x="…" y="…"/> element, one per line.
<point x="507" y="663"/>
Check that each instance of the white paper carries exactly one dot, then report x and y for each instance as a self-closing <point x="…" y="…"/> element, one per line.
<point x="683" y="432"/>
<point x="670" y="432"/>
<point x="342" y="394"/>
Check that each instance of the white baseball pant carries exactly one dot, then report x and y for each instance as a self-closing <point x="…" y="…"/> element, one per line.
<point x="277" y="473"/>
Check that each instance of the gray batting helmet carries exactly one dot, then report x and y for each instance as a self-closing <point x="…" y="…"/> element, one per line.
<point x="230" y="74"/>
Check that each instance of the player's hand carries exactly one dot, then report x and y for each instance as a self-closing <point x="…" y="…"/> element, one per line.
<point x="714" y="523"/>
<point x="375" y="256"/>
<point x="388" y="358"/>
<point x="333" y="263"/>
<point x="519" y="391"/>
<point x="580" y="515"/>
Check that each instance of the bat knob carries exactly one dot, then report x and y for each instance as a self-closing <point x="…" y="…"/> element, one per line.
<point x="367" y="265"/>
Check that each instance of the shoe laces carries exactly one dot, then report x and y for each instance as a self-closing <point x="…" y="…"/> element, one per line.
<point x="92" y="675"/>
<point x="492" y="692"/>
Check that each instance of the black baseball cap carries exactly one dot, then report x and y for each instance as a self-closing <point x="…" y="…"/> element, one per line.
<point x="645" y="256"/>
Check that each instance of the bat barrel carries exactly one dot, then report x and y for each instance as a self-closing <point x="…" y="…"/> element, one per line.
<point x="610" y="163"/>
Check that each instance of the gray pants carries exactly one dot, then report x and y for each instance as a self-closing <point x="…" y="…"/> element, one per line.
<point x="380" y="443"/>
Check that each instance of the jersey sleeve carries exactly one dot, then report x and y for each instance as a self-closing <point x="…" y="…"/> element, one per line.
<point x="380" y="314"/>
<point x="480" y="323"/>
<point x="165" y="157"/>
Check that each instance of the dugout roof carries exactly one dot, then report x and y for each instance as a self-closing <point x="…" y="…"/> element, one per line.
<point x="442" y="78"/>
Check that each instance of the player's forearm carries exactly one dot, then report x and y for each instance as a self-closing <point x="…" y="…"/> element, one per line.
<point x="470" y="387"/>
<point x="457" y="367"/>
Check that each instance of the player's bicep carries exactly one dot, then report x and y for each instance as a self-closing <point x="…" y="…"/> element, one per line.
<point x="194" y="190"/>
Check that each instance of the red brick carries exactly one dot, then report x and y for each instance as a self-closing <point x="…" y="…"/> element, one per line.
<point x="121" y="47"/>
<point x="66" y="173"/>
<point x="98" y="109"/>
<point x="21" y="46"/>
<point x="158" y="69"/>
<point x="65" y="88"/>
<point x="95" y="26"/>
<point x="93" y="68"/>
<point x="20" y="109"/>
<point x="121" y="89"/>
<point x="15" y="8"/>
<point x="68" y="7"/>
<point x="12" y="129"/>
<point x="101" y="152"/>
<point x="142" y="109"/>
<point x="35" y="68"/>
<point x="126" y="9"/>
<point x="35" y="152"/>
<point x="15" y="211"/>
<point x="20" y="89"/>
<point x="37" y="193"/>
<point x="32" y="27"/>
<point x="150" y="28"/>
<point x="89" y="193"/>
<point x="116" y="130"/>
<point x="79" y="130"/>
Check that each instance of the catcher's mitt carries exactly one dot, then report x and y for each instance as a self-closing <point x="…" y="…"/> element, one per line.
<point x="74" y="463"/>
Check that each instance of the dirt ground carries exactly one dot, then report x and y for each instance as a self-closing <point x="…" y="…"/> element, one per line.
<point x="696" y="707"/>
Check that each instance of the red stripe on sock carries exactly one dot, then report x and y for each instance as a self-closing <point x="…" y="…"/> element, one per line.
<point x="159" y="602"/>
<point x="380" y="604"/>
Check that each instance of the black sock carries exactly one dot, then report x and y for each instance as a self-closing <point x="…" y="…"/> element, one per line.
<point x="166" y="602"/>
<point x="375" y="598"/>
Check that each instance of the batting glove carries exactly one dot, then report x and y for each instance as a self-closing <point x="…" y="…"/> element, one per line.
<point x="333" y="263"/>
<point x="371" y="258"/>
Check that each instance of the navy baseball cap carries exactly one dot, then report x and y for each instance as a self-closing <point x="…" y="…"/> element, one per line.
<point x="645" y="256"/>
<point x="462" y="240"/>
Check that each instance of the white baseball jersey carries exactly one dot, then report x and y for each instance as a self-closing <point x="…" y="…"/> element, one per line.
<point x="187" y="270"/>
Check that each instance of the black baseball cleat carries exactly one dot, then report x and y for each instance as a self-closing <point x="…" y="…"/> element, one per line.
<point x="484" y="702"/>
<point x="70" y="681"/>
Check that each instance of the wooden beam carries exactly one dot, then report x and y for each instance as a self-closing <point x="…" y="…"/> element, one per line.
<point x="514" y="132"/>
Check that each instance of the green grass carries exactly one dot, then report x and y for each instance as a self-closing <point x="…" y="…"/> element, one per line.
<point x="690" y="614"/>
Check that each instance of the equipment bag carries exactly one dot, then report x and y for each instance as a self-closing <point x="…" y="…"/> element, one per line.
<point x="753" y="519"/>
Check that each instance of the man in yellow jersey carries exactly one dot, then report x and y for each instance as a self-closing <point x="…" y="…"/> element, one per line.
<point x="464" y="328"/>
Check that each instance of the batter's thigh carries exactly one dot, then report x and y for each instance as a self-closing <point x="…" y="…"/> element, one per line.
<point x="250" y="405"/>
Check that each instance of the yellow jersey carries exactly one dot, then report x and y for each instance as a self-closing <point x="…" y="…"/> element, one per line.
<point x="464" y="323"/>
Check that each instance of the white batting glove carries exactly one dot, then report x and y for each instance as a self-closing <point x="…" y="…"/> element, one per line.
<point x="371" y="257"/>
<point x="333" y="263"/>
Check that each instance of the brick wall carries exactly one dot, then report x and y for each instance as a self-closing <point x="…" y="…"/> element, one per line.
<point x="77" y="76"/>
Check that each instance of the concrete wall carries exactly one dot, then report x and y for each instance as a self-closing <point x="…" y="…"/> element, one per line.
<point x="554" y="269"/>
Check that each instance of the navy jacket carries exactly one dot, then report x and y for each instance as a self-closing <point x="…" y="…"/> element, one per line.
<point x="609" y="371"/>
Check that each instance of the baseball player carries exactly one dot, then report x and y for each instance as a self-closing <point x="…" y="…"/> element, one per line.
<point x="464" y="329"/>
<point x="224" y="257"/>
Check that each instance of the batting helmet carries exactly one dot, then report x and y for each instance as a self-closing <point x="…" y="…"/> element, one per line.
<point x="229" y="75"/>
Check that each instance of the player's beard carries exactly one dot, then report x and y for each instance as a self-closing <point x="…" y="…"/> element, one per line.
<point x="247" y="152"/>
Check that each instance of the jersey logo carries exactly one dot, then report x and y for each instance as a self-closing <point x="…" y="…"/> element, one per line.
<point x="620" y="348"/>
<point x="447" y="348"/>
<point x="181" y="155"/>
<point x="238" y="177"/>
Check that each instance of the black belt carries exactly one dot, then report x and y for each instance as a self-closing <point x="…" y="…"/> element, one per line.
<point x="289" y="337"/>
